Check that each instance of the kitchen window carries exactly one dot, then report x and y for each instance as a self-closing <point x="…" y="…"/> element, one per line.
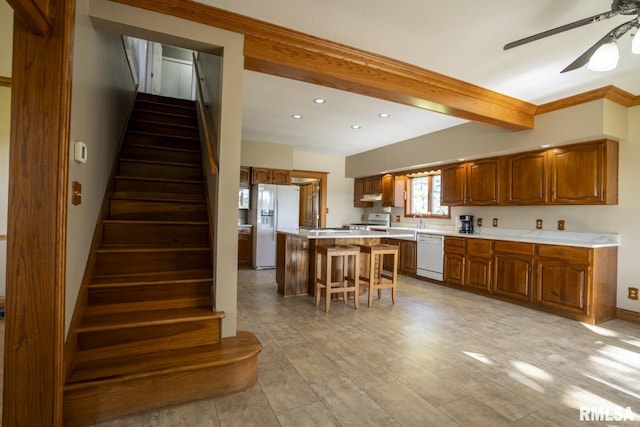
<point x="423" y="196"/>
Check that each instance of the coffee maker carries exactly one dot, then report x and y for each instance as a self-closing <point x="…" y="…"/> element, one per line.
<point x="466" y="224"/>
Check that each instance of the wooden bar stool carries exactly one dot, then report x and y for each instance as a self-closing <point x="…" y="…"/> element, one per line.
<point x="345" y="283"/>
<point x="372" y="273"/>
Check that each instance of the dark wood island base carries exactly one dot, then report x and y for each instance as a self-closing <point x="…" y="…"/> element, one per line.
<point x="295" y="261"/>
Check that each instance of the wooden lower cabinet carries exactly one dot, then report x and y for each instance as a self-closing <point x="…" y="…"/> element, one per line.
<point x="575" y="282"/>
<point x="513" y="270"/>
<point x="454" y="260"/>
<point x="244" y="246"/>
<point x="407" y="264"/>
<point x="564" y="278"/>
<point x="564" y="286"/>
<point x="478" y="262"/>
<point x="407" y="256"/>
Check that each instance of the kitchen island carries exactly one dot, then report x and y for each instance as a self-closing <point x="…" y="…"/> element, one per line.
<point x="295" y="266"/>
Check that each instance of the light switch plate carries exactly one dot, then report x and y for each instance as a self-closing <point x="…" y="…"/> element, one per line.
<point x="80" y="152"/>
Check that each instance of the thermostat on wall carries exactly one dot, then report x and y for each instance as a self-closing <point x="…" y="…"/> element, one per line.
<point x="80" y="152"/>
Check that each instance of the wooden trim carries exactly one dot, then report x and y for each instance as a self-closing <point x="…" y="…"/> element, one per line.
<point x="3" y="237"/>
<point x="35" y="14"/>
<point x="2" y="302"/>
<point x="37" y="213"/>
<point x="5" y="81"/>
<point x="628" y="315"/>
<point x="287" y="53"/>
<point x="322" y="176"/>
<point x="611" y="93"/>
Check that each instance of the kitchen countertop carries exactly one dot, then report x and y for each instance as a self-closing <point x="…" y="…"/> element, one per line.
<point x="348" y="234"/>
<point x="566" y="238"/>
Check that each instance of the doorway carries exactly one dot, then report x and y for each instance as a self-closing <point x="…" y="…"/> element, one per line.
<point x="313" y="197"/>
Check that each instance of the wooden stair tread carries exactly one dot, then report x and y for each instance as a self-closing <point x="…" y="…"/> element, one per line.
<point x="161" y="99"/>
<point x="172" y="180"/>
<point x="151" y="277"/>
<point x="139" y="247"/>
<point x="147" y="195"/>
<point x="160" y="162"/>
<point x="190" y="113"/>
<point x="159" y="122"/>
<point x="164" y="136"/>
<point x="135" y="283"/>
<point x="105" y="322"/>
<point x="162" y="148"/>
<point x="158" y="199"/>
<point x="153" y="222"/>
<point x="133" y="249"/>
<point x="229" y="350"/>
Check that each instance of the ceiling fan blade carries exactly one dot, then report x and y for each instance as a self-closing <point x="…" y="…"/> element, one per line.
<point x="612" y="35"/>
<point x="562" y="28"/>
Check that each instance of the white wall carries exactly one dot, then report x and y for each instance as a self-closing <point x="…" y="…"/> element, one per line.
<point x="583" y="122"/>
<point x="339" y="187"/>
<point x="102" y="93"/>
<point x="266" y="155"/>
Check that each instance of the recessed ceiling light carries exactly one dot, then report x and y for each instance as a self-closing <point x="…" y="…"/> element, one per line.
<point x="319" y="100"/>
<point x="546" y="145"/>
<point x="355" y="126"/>
<point x="461" y="160"/>
<point x="296" y="116"/>
<point x="384" y="115"/>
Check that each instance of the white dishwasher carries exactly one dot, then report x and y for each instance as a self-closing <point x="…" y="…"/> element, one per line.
<point x="430" y="253"/>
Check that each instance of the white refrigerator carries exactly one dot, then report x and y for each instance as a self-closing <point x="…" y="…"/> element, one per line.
<point x="273" y="208"/>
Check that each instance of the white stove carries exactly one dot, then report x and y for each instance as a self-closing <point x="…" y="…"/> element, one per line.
<point x="379" y="219"/>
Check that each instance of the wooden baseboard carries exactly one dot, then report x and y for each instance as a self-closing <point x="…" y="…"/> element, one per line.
<point x="628" y="315"/>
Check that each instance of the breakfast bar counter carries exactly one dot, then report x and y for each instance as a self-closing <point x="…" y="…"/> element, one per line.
<point x="295" y="266"/>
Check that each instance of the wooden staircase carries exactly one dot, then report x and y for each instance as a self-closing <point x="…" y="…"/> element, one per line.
<point x="149" y="336"/>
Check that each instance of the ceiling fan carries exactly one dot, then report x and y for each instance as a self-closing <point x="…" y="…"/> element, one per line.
<point x="618" y="7"/>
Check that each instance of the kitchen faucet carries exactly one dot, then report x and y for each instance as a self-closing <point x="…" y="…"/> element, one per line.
<point x="420" y="223"/>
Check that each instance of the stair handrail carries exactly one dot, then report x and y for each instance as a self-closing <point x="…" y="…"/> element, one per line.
<point x="201" y="107"/>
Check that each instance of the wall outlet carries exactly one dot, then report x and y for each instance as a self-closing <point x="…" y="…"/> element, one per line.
<point x="479" y="222"/>
<point x="633" y="293"/>
<point x="495" y="222"/>
<point x="561" y="224"/>
<point x="539" y="224"/>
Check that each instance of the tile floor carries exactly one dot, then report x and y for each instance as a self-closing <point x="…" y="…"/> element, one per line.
<point x="439" y="357"/>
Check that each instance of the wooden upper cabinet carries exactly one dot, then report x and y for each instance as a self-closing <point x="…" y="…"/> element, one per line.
<point x="393" y="190"/>
<point x="358" y="193"/>
<point x="270" y="176"/>
<point x="372" y="184"/>
<point x="281" y="177"/>
<point x="388" y="190"/>
<point x="245" y="176"/>
<point x="377" y="184"/>
<point x="400" y="192"/>
<point x="483" y="182"/>
<point x="584" y="173"/>
<point x="454" y="185"/>
<point x="260" y="176"/>
<point x="526" y="178"/>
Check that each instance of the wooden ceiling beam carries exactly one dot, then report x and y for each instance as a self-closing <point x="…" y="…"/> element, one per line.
<point x="287" y="53"/>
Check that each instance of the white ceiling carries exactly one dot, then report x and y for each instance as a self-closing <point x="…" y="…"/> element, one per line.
<point x="462" y="39"/>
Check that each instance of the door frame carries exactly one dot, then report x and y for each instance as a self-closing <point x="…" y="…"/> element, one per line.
<point x="322" y="176"/>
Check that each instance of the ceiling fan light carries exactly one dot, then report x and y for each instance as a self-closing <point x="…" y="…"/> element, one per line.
<point x="635" y="43"/>
<point x="605" y="58"/>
